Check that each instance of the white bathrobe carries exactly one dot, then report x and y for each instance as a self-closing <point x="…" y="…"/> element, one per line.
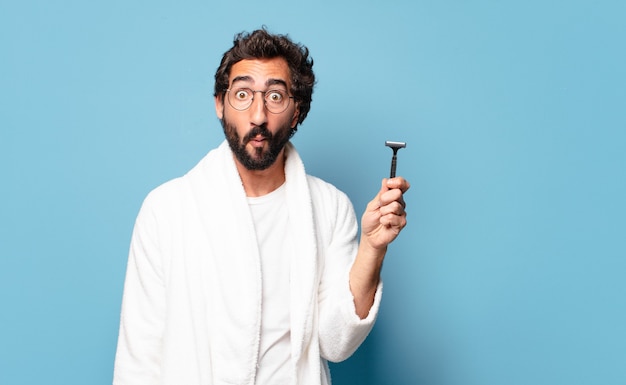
<point x="191" y="311"/>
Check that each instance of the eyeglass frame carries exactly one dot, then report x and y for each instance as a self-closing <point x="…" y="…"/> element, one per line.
<point x="264" y="100"/>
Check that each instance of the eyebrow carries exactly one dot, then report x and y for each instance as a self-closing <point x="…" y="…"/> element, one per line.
<point x="273" y="82"/>
<point x="269" y="82"/>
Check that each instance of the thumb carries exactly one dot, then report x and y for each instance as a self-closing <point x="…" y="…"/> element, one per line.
<point x="376" y="203"/>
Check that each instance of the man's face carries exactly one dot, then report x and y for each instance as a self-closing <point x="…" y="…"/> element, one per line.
<point x="256" y="136"/>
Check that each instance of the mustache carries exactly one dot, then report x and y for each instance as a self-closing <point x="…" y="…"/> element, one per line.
<point x="256" y="131"/>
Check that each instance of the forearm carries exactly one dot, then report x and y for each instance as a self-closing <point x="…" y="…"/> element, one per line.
<point x="365" y="277"/>
<point x="382" y="221"/>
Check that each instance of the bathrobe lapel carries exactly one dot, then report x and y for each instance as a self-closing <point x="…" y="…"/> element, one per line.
<point x="229" y="268"/>
<point x="304" y="264"/>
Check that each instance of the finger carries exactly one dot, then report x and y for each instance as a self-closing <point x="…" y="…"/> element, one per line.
<point x="398" y="183"/>
<point x="392" y="196"/>
<point x="395" y="208"/>
<point x="395" y="222"/>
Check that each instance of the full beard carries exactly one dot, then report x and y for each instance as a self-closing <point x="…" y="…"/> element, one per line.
<point x="262" y="158"/>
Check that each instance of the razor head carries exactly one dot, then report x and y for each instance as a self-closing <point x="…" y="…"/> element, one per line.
<point x="391" y="144"/>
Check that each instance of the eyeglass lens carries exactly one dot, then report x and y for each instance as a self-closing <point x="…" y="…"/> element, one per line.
<point x="276" y="101"/>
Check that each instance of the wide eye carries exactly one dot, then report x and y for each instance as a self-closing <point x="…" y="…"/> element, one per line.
<point x="242" y="94"/>
<point x="274" y="96"/>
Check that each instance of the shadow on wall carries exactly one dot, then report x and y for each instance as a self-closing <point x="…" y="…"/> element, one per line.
<point x="383" y="361"/>
<point x="358" y="369"/>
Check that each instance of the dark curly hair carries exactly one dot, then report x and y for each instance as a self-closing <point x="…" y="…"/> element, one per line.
<point x="261" y="44"/>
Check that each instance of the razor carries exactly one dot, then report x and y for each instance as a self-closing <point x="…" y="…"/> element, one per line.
<point x="395" y="146"/>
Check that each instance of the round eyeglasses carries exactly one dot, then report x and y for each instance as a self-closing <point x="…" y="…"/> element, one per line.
<point x="276" y="101"/>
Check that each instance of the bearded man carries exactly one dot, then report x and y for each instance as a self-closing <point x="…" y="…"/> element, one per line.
<point x="246" y="270"/>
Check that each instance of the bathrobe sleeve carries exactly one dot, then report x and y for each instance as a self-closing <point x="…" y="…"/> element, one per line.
<point x="138" y="357"/>
<point x="341" y="331"/>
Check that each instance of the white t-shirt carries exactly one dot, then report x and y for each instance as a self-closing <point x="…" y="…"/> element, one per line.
<point x="271" y="221"/>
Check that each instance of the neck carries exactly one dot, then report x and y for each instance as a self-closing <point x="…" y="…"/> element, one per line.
<point x="261" y="182"/>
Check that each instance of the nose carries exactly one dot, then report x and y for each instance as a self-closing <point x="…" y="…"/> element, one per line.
<point x="258" y="113"/>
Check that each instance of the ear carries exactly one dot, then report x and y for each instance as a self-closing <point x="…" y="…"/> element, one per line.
<point x="219" y="106"/>
<point x="296" y="115"/>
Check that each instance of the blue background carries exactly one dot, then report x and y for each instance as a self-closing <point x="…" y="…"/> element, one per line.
<point x="512" y="269"/>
